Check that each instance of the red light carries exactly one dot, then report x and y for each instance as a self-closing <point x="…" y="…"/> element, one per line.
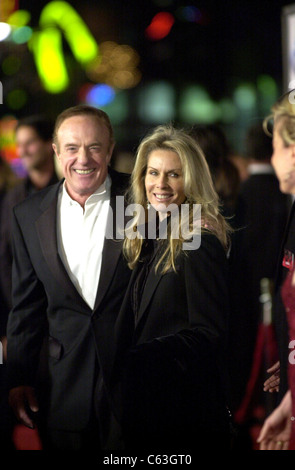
<point x="160" y="26"/>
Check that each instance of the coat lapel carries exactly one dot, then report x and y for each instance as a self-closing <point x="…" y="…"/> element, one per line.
<point x="150" y="287"/>
<point x="112" y="249"/>
<point x="46" y="229"/>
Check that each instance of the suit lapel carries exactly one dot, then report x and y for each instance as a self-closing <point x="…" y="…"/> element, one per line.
<point x="110" y="256"/>
<point x="46" y="229"/>
<point x="111" y="250"/>
<point x="150" y="287"/>
<point x="126" y="324"/>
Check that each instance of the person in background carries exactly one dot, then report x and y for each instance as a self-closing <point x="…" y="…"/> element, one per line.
<point x="65" y="273"/>
<point x="262" y="212"/>
<point x="225" y="175"/>
<point x="123" y="159"/>
<point x="172" y="330"/>
<point x="8" y="180"/>
<point x="278" y="431"/>
<point x="226" y="179"/>
<point x="33" y="138"/>
<point x="241" y="163"/>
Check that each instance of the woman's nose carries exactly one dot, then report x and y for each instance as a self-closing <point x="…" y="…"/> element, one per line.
<point x="162" y="181"/>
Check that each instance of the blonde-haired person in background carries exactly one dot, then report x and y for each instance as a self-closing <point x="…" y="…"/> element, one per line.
<point x="176" y="309"/>
<point x="278" y="432"/>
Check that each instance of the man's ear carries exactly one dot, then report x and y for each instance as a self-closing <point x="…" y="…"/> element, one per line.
<point x="111" y="152"/>
<point x="55" y="150"/>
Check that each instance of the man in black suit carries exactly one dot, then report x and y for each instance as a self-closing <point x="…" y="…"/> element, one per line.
<point x="66" y="272"/>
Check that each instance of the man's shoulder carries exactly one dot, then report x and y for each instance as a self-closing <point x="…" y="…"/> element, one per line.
<point x="17" y="193"/>
<point x="34" y="200"/>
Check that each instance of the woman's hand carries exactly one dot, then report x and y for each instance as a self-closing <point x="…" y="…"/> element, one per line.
<point x="273" y="382"/>
<point x="276" y="431"/>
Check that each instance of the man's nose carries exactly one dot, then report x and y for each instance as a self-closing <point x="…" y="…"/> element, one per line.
<point x="83" y="156"/>
<point x="21" y="150"/>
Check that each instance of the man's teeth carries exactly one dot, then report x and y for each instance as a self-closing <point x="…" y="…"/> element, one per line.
<point x="84" y="172"/>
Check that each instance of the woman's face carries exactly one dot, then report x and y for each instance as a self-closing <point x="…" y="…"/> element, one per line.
<point x="283" y="162"/>
<point x="164" y="179"/>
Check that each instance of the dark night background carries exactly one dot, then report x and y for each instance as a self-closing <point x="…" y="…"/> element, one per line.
<point x="234" y="42"/>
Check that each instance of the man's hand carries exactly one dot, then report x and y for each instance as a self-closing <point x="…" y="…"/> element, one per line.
<point x="276" y="431"/>
<point x="273" y="382"/>
<point x="23" y="402"/>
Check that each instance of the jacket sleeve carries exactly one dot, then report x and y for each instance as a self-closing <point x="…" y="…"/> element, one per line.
<point x="27" y="319"/>
<point x="5" y="262"/>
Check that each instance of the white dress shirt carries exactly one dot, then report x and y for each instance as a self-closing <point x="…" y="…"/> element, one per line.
<point x="80" y="238"/>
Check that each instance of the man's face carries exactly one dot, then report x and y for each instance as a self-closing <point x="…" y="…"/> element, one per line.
<point x="84" y="152"/>
<point x="33" y="151"/>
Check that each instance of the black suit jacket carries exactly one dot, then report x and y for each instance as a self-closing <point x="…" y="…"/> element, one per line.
<point x="169" y="368"/>
<point x="14" y="196"/>
<point x="46" y="303"/>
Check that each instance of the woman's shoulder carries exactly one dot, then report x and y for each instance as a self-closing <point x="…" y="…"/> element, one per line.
<point x="209" y="245"/>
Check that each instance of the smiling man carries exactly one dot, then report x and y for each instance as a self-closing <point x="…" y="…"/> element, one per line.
<point x="66" y="273"/>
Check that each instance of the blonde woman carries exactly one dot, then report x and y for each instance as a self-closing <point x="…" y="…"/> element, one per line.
<point x="176" y="310"/>
<point x="278" y="432"/>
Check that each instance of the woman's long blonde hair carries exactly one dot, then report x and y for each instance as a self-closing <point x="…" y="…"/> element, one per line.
<point x="283" y="117"/>
<point x="198" y="189"/>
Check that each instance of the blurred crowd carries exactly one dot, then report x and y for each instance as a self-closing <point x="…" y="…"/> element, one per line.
<point x="254" y="206"/>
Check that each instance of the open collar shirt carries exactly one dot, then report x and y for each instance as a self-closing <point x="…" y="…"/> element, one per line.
<point x="80" y="238"/>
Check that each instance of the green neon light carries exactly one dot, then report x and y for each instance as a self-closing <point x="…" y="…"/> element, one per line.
<point x="47" y="49"/>
<point x="19" y="18"/>
<point x="56" y="18"/>
<point x="81" y="42"/>
<point x="22" y="34"/>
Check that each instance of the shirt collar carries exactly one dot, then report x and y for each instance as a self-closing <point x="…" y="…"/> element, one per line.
<point x="102" y="190"/>
<point x="258" y="168"/>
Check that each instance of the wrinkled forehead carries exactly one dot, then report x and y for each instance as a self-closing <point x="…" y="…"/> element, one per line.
<point x="84" y="128"/>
